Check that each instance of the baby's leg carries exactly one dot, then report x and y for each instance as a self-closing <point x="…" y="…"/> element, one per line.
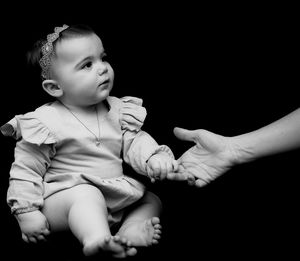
<point x="82" y="209"/>
<point x="142" y="225"/>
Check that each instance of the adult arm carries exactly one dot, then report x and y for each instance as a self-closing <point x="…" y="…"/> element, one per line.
<point x="215" y="154"/>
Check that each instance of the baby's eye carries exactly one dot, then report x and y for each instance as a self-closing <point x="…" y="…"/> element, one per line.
<point x="87" y="65"/>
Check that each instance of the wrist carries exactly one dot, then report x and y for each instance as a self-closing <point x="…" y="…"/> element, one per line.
<point x="24" y="215"/>
<point x="240" y="151"/>
<point x="162" y="149"/>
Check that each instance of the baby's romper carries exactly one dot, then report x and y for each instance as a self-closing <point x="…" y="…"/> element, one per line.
<point x="56" y="152"/>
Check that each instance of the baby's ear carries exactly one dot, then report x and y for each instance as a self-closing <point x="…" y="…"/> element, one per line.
<point x="52" y="88"/>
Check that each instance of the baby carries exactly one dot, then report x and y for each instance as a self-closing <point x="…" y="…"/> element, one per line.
<point x="67" y="172"/>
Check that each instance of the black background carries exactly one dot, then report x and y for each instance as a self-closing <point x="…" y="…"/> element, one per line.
<point x="226" y="68"/>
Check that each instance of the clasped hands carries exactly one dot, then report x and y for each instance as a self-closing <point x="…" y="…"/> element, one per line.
<point x="211" y="156"/>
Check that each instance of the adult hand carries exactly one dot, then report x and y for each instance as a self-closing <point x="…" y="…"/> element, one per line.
<point x="211" y="156"/>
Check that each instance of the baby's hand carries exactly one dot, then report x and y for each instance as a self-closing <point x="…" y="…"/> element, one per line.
<point x="34" y="226"/>
<point x="181" y="175"/>
<point x="159" y="165"/>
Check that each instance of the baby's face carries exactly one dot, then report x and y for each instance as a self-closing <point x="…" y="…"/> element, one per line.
<point x="81" y="71"/>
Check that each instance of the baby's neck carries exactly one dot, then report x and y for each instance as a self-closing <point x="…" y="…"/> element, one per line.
<point x="84" y="111"/>
<point x="84" y="108"/>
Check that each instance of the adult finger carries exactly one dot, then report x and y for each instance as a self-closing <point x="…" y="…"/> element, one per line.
<point x="184" y="134"/>
<point x="200" y="183"/>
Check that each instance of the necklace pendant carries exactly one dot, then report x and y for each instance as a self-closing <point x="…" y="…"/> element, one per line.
<point x="97" y="143"/>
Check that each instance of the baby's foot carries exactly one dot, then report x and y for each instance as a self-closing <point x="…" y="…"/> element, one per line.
<point x="116" y="246"/>
<point x="142" y="233"/>
<point x="129" y="250"/>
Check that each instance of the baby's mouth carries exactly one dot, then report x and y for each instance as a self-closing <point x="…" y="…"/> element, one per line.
<point x="104" y="82"/>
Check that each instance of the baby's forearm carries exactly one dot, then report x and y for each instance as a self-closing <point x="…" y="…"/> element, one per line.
<point x="280" y="136"/>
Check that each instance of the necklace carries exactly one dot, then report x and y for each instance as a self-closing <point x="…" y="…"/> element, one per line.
<point x="96" y="137"/>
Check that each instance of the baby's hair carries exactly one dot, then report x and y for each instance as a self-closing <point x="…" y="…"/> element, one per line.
<point x="35" y="54"/>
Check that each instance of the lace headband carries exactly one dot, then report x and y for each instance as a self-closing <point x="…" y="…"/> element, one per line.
<point x="47" y="50"/>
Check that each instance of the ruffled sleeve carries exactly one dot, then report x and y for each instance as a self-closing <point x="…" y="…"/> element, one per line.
<point x="32" y="157"/>
<point x="30" y="128"/>
<point x="132" y="114"/>
<point x="138" y="145"/>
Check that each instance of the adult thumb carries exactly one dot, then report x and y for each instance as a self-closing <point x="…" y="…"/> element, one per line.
<point x="184" y="134"/>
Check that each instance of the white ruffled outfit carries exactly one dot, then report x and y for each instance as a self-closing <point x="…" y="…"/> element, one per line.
<point x="56" y="152"/>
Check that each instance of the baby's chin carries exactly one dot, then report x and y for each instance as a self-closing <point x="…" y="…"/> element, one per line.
<point x="103" y="94"/>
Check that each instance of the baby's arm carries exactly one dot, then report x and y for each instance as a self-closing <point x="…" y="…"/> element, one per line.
<point x="159" y="165"/>
<point x="25" y="192"/>
<point x="138" y="146"/>
<point x="33" y="225"/>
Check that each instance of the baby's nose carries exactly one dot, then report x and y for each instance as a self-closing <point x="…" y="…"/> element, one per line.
<point x="102" y="69"/>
